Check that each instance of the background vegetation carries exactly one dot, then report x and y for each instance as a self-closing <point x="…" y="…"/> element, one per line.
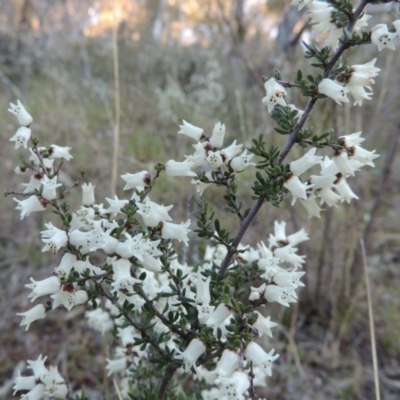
<point x="201" y="61"/>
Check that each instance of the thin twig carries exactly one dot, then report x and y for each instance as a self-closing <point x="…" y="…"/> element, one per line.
<point x="312" y="101"/>
<point x="169" y="373"/>
<point x="135" y="324"/>
<point x="371" y="324"/>
<point x="163" y="319"/>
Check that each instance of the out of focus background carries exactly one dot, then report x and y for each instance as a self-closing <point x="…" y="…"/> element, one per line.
<point x="201" y="61"/>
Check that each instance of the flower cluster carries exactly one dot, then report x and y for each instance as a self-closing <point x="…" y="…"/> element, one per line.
<point x="44" y="382"/>
<point x="201" y="320"/>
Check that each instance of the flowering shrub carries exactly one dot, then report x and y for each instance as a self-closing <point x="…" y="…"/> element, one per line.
<point x="175" y="322"/>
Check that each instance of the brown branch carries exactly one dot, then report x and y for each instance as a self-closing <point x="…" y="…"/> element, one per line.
<point x="169" y="373"/>
<point x="135" y="324"/>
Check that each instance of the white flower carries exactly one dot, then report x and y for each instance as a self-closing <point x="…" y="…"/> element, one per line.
<point x="275" y="94"/>
<point x="54" y="384"/>
<point x="23" y="383"/>
<point x="334" y="91"/>
<point x="176" y="231"/>
<point x="118" y="365"/>
<point x="54" y="239"/>
<point x="231" y="151"/>
<point x="311" y="206"/>
<point x="38" y="368"/>
<point x="24" y="118"/>
<point x="204" y="311"/>
<point x="217" y="137"/>
<point x="220" y="314"/>
<point x="115" y="205"/>
<point x="183" y="168"/>
<point x="241" y="162"/>
<point x="359" y="94"/>
<point x="362" y="155"/>
<point x="69" y="297"/>
<point x="214" y="159"/>
<point x="257" y="293"/>
<point x="227" y="364"/>
<point x="280" y="295"/>
<point x="99" y="320"/>
<point x="191" y="131"/>
<point x="35" y="182"/>
<point x="234" y="387"/>
<point x="322" y="181"/>
<point x="21" y="137"/>
<point x="137" y="180"/>
<point x="381" y="37"/>
<point x="202" y="290"/>
<point x="288" y="278"/>
<point x="88" y="194"/>
<point x="288" y="254"/>
<point x="296" y="187"/>
<point x="202" y="186"/>
<point x="36" y="393"/>
<point x="341" y="160"/>
<point x="264" y="325"/>
<point x="41" y="288"/>
<point x="151" y="263"/>
<point x="298" y="237"/>
<point x="352" y="140"/>
<point x="30" y="205"/>
<point x="344" y="189"/>
<point x="50" y="187"/>
<point x="189" y="357"/>
<point x="60" y="152"/>
<point x="35" y="313"/>
<point x="126" y="336"/>
<point x="307" y="161"/>
<point x="153" y="213"/>
<point x="259" y="357"/>
<point x="363" y="74"/>
<point x="329" y="197"/>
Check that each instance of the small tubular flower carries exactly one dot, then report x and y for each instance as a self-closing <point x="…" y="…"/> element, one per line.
<point x="44" y="287"/>
<point x="239" y="163"/>
<point x="307" y="161"/>
<point x="281" y="295"/>
<point x="88" y="194"/>
<point x="183" y="168"/>
<point x="227" y="364"/>
<point x="24" y="118"/>
<point x="259" y="357"/>
<point x="189" y="357"/>
<point x="35" y="313"/>
<point x="333" y="90"/>
<point x="344" y="190"/>
<point x="176" y="231"/>
<point x="60" y="152"/>
<point x="382" y="38"/>
<point x="21" y="137"/>
<point x="275" y="94"/>
<point x="191" y="131"/>
<point x="137" y="180"/>
<point x="296" y="187"/>
<point x="217" y="137"/>
<point x="49" y="187"/>
<point x="264" y="325"/>
<point x="30" y="205"/>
